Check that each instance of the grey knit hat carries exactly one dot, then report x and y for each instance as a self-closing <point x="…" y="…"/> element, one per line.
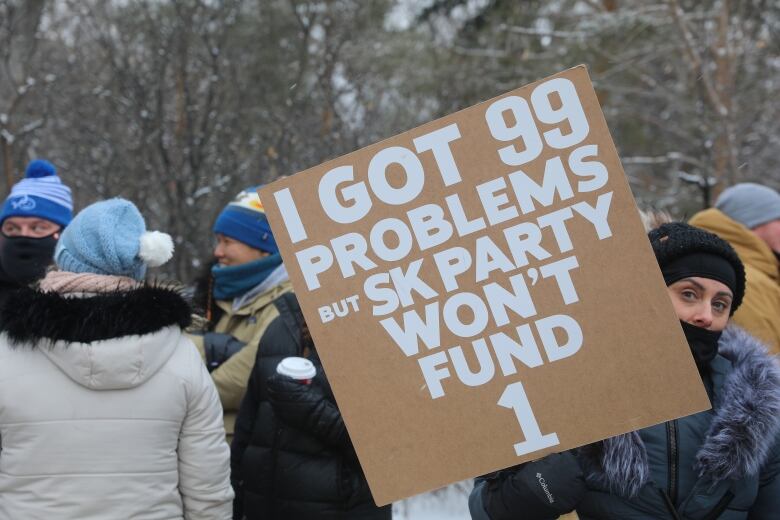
<point x="750" y="204"/>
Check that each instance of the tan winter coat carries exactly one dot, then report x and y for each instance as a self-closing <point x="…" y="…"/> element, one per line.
<point x="760" y="310"/>
<point x="247" y="325"/>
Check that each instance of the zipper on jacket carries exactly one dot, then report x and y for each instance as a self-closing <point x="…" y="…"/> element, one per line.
<point x="670" y="505"/>
<point x="674" y="460"/>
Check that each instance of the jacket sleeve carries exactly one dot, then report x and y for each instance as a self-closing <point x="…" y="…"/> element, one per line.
<point x="305" y="407"/>
<point x="204" y="456"/>
<point x="540" y="490"/>
<point x="245" y="424"/>
<point x="231" y="377"/>
<point x="476" y="500"/>
<point x="767" y="503"/>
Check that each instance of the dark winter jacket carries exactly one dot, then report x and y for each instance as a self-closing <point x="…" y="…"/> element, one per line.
<point x="291" y="455"/>
<point x="718" y="464"/>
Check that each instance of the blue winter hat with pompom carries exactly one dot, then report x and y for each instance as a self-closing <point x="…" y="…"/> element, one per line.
<point x="40" y="194"/>
<point x="244" y="219"/>
<point x="109" y="237"/>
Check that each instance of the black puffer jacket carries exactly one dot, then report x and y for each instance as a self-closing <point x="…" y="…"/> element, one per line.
<point x="291" y="455"/>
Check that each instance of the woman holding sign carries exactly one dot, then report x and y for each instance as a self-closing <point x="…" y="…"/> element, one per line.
<point x="722" y="463"/>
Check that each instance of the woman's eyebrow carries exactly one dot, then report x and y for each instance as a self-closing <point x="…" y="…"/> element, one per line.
<point x="694" y="282"/>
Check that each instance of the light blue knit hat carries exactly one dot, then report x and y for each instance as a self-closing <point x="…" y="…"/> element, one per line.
<point x="109" y="237"/>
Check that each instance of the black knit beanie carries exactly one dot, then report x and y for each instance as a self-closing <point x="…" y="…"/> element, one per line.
<point x="678" y="243"/>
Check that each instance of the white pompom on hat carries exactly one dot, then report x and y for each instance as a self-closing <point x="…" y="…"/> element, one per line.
<point x="156" y="248"/>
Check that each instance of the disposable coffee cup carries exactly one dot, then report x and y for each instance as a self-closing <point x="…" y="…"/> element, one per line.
<point x="298" y="368"/>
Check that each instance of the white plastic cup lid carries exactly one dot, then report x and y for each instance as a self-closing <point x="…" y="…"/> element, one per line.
<point x="296" y="368"/>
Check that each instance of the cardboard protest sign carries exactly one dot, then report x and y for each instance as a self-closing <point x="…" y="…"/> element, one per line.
<point x="481" y="290"/>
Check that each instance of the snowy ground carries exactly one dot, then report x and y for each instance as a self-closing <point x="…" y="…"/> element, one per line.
<point x="450" y="503"/>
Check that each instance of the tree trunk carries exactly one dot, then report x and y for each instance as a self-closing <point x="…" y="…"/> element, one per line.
<point x="8" y="163"/>
<point x="725" y="151"/>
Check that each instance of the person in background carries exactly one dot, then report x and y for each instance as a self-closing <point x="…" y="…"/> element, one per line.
<point x="106" y="409"/>
<point x="291" y="456"/>
<point x="722" y="463"/>
<point x="33" y="216"/>
<point x="747" y="215"/>
<point x="237" y="297"/>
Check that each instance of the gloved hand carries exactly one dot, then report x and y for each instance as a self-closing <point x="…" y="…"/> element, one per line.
<point x="219" y="347"/>
<point x="544" y="488"/>
<point x="293" y="402"/>
<point x="305" y="407"/>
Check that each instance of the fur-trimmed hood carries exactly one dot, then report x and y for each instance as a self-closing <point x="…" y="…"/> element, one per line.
<point x="745" y="426"/>
<point x="106" y="341"/>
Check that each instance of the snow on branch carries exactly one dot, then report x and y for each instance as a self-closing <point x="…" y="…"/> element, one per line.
<point x="662" y="159"/>
<point x="542" y="32"/>
<point x="699" y="180"/>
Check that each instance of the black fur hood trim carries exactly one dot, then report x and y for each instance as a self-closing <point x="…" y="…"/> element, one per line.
<point x="30" y="316"/>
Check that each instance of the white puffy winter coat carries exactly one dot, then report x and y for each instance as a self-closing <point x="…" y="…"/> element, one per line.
<point x="127" y="427"/>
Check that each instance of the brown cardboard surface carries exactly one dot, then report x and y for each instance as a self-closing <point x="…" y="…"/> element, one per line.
<point x="632" y="368"/>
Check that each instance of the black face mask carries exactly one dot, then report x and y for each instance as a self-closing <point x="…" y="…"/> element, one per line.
<point x="703" y="344"/>
<point x="24" y="260"/>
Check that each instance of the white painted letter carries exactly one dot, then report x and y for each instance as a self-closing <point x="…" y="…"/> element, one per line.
<point x="413" y="172"/>
<point x="434" y="375"/>
<point x="314" y="261"/>
<point x="514" y="397"/>
<point x="519" y="301"/>
<point x="439" y="141"/>
<point x="486" y="367"/>
<point x="351" y="249"/>
<point x="290" y="215"/>
<point x="355" y="192"/>
<point x="582" y="168"/>
<point x="379" y="245"/>
<point x="406" y="282"/>
<point x="554" y="181"/>
<point x="380" y="294"/>
<point x="451" y="263"/>
<point x="414" y="327"/>
<point x="478" y="311"/>
<point x="546" y="328"/>
<point x="598" y="215"/>
<point x="429" y="226"/>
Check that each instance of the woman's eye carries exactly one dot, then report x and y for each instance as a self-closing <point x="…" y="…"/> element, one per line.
<point x="689" y="295"/>
<point x="720" y="306"/>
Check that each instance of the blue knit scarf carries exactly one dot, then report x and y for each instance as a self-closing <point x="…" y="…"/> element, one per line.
<point x="235" y="280"/>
